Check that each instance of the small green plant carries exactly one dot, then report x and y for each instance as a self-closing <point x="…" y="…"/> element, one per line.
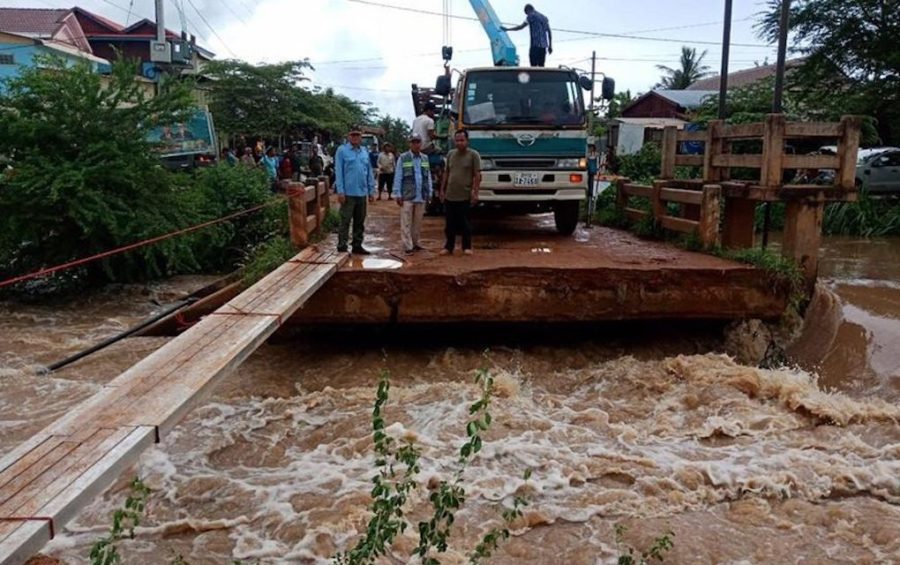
<point x="398" y="468"/>
<point x="628" y="555"/>
<point x="267" y="257"/>
<point x="125" y="520"/>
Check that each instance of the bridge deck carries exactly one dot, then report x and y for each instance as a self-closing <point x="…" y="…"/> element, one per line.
<point x="50" y="477"/>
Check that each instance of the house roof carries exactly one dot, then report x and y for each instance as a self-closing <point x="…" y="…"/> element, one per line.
<point x="743" y="77"/>
<point x="32" y="22"/>
<point x="688" y="99"/>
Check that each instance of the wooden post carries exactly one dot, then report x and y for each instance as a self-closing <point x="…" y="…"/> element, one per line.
<point x="710" y="215"/>
<point x="848" y="148"/>
<point x="669" y="151"/>
<point x="715" y="146"/>
<point x="739" y="229"/>
<point x="803" y="237"/>
<point x="773" y="151"/>
<point x="657" y="205"/>
<point x="621" y="195"/>
<point x="297" y="215"/>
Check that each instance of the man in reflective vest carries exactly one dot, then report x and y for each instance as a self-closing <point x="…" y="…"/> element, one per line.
<point x="412" y="189"/>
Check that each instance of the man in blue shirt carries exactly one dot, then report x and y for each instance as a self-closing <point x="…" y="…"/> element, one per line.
<point x="541" y="37"/>
<point x="412" y="189"/>
<point x="355" y="187"/>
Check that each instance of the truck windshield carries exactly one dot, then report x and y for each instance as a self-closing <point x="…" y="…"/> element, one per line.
<point x="519" y="97"/>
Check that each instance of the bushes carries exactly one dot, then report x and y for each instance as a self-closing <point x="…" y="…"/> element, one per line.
<point x="83" y="179"/>
<point x="642" y="167"/>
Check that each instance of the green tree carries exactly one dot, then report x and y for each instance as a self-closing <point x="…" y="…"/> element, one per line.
<point x="619" y="102"/>
<point x="851" y="61"/>
<point x="690" y="71"/>
<point x="82" y="177"/>
<point x="396" y="130"/>
<point x="247" y="99"/>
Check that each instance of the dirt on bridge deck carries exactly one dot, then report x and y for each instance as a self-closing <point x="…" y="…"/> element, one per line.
<point x="524" y="271"/>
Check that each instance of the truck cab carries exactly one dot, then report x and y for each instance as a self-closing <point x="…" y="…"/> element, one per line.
<point x="530" y="127"/>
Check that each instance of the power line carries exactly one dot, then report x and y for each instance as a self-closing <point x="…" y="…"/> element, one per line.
<point x="562" y="30"/>
<point x="212" y="29"/>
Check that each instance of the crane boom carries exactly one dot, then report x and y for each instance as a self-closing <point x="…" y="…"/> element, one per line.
<point x="502" y="47"/>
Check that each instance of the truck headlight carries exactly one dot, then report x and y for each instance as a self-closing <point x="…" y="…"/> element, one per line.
<point x="572" y="164"/>
<point x="487" y="165"/>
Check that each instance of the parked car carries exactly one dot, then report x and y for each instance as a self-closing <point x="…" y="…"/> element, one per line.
<point x="880" y="173"/>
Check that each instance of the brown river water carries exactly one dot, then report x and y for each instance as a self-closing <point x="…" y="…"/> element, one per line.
<point x="649" y="426"/>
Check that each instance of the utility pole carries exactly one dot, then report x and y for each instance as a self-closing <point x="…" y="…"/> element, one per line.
<point x="593" y="80"/>
<point x="726" y="52"/>
<point x="778" y="98"/>
<point x="778" y="102"/>
<point x="160" y="50"/>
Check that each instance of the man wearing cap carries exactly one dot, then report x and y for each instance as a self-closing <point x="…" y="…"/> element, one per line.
<point x="355" y="187"/>
<point x="412" y="189"/>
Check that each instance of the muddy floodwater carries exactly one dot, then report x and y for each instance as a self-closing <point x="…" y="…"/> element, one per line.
<point x="650" y="426"/>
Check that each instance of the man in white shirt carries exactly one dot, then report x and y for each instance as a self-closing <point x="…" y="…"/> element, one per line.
<point x="423" y="126"/>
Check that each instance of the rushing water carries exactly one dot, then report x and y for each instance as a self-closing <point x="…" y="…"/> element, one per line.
<point x="649" y="427"/>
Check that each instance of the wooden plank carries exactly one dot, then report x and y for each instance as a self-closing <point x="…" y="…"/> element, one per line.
<point x="312" y="222"/>
<point x="739" y="161"/>
<point x="811" y="162"/>
<point x="678" y="224"/>
<point x="692" y="135"/>
<point x="814" y="129"/>
<point x="739" y="229"/>
<point x="656" y="204"/>
<point x="714" y="150"/>
<point x="23" y="461"/>
<point x="34" y="471"/>
<point x="681" y="196"/>
<point x="772" y="169"/>
<point x="743" y="131"/>
<point x="639" y="190"/>
<point x="689" y="160"/>
<point x="635" y="215"/>
<point x="41" y="488"/>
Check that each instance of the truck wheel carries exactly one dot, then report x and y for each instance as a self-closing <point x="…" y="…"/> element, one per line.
<point x="566" y="216"/>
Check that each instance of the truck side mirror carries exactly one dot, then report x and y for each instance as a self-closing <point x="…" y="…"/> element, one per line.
<point x="585" y="82"/>
<point x="608" y="91"/>
<point x="443" y="86"/>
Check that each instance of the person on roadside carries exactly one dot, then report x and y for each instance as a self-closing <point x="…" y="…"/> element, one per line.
<point x="541" y="36"/>
<point x="412" y="189"/>
<point x="355" y="187"/>
<point x="424" y="127"/>
<point x="459" y="192"/>
<point x="593" y="163"/>
<point x="228" y="157"/>
<point x="269" y="163"/>
<point x="247" y="157"/>
<point x="387" y="160"/>
<point x="286" y="167"/>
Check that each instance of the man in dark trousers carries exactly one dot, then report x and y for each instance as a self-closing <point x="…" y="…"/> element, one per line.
<point x="459" y="191"/>
<point x="541" y="37"/>
<point x="355" y="187"/>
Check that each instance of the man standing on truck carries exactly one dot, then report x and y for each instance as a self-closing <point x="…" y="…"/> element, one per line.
<point x="412" y="189"/>
<point x="541" y="36"/>
<point x="423" y="126"/>
<point x="459" y="191"/>
<point x="355" y="187"/>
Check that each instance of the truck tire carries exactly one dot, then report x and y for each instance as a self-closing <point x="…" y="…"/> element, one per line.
<point x="566" y="216"/>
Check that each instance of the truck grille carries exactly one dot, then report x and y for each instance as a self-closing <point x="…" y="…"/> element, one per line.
<point x="525" y="163"/>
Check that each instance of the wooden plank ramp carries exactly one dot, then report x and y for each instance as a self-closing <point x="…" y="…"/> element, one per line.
<point x="46" y="480"/>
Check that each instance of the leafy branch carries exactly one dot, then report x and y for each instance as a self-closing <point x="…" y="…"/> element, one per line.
<point x="125" y="520"/>
<point x="656" y="552"/>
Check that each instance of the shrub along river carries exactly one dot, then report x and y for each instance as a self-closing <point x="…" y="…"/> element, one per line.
<point x="648" y="426"/>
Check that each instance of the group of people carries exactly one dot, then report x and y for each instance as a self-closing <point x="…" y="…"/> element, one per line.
<point x="286" y="166"/>
<point x="409" y="178"/>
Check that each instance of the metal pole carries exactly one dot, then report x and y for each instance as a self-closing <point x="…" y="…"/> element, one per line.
<point x="726" y="50"/>
<point x="778" y="98"/>
<point x="777" y="102"/>
<point x="593" y="81"/>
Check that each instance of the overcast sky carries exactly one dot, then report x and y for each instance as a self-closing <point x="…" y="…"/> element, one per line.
<point x="372" y="52"/>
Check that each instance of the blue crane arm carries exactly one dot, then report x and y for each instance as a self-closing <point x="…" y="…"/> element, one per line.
<point x="502" y="47"/>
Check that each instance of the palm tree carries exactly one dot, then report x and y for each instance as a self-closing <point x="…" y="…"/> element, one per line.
<point x="692" y="69"/>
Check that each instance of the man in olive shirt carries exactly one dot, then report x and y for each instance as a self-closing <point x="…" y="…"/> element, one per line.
<point x="459" y="191"/>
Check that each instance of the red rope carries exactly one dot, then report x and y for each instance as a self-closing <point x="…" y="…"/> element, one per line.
<point x="132" y="246"/>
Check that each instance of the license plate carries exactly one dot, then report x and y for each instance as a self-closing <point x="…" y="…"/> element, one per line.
<point x="525" y="179"/>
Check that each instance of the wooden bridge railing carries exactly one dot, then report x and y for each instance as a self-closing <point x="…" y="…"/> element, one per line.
<point x="699" y="209"/>
<point x="308" y="207"/>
